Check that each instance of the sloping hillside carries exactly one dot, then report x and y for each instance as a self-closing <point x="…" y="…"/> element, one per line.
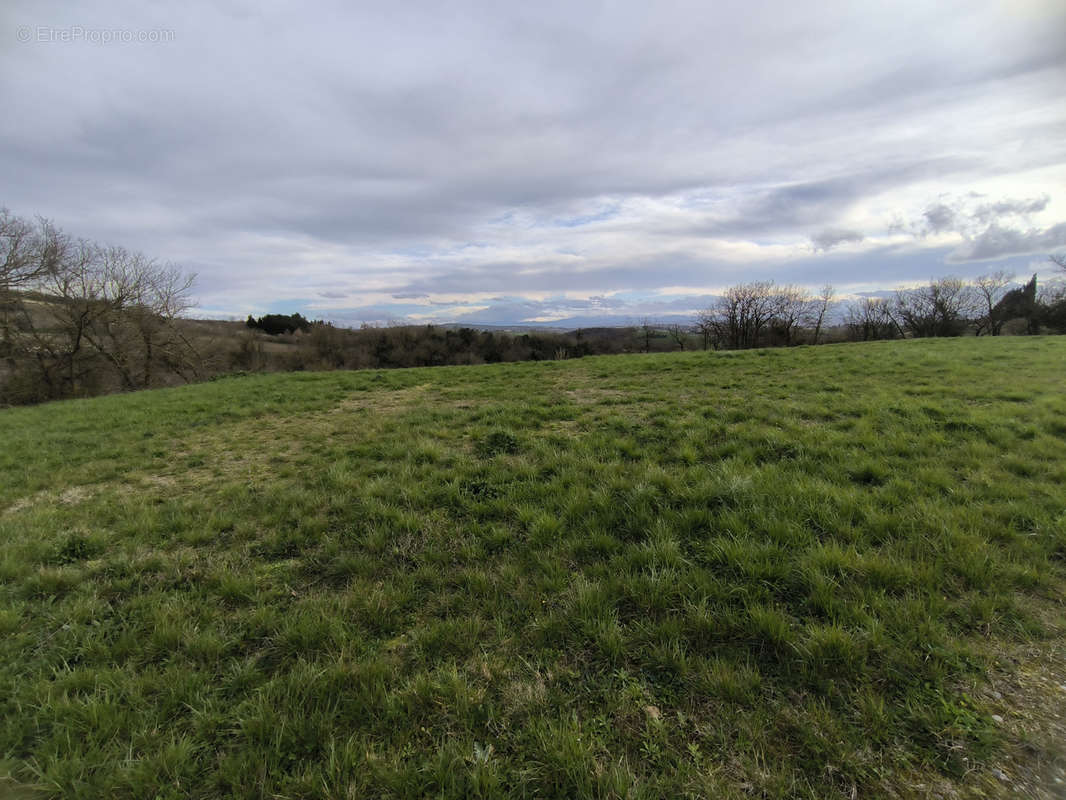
<point x="829" y="572"/>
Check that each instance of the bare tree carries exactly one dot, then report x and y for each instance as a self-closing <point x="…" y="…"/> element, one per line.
<point x="790" y="311"/>
<point x="679" y="333"/>
<point x="822" y="303"/>
<point x="17" y="248"/>
<point x="142" y="339"/>
<point x="1059" y="260"/>
<point x="761" y="312"/>
<point x="30" y="251"/>
<point x="741" y="316"/>
<point x="91" y="317"/>
<point x="647" y="331"/>
<point x="707" y="328"/>
<point x="989" y="290"/>
<point x="871" y="318"/>
<point x="940" y="308"/>
<point x="52" y="330"/>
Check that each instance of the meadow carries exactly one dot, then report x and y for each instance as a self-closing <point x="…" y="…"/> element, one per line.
<point x="807" y="572"/>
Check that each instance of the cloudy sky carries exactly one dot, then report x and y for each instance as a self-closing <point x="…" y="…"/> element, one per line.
<point x="548" y="163"/>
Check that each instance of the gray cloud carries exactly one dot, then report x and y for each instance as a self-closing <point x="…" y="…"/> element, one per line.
<point x="939" y="218"/>
<point x="990" y="212"/>
<point x="997" y="242"/>
<point x="831" y="237"/>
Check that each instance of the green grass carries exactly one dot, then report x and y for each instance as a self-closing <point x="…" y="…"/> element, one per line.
<point x="771" y="573"/>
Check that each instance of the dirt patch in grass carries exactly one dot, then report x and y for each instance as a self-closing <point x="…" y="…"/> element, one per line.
<point x="588" y="396"/>
<point x="381" y="401"/>
<point x="67" y="497"/>
<point x="254" y="449"/>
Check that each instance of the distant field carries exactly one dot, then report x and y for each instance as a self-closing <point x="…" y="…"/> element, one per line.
<point x="815" y="572"/>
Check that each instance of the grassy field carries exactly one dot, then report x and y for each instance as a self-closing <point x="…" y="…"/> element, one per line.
<point x="786" y="573"/>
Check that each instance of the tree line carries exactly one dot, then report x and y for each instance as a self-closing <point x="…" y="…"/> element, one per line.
<point x="764" y="314"/>
<point x="327" y="346"/>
